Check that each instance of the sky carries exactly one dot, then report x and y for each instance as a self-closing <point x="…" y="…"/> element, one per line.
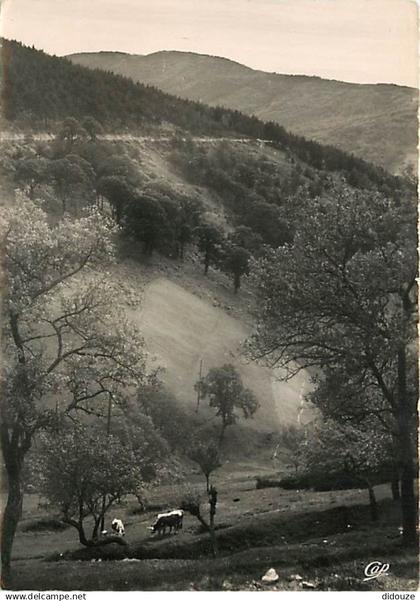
<point x="363" y="41"/>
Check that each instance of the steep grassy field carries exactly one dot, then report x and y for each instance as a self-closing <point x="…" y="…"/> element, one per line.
<point x="186" y="319"/>
<point x="375" y="122"/>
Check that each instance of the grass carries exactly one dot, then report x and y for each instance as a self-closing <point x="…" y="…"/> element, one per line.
<point x="44" y="524"/>
<point x="336" y="569"/>
<point x="296" y="532"/>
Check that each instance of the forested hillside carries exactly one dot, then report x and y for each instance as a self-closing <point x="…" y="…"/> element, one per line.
<point x="40" y="90"/>
<point x="376" y="122"/>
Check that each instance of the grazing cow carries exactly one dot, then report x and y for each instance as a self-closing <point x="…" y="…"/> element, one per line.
<point x="171" y="520"/>
<point x="118" y="527"/>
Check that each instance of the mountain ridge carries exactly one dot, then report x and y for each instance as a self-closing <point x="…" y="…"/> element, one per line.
<point x="74" y="55"/>
<point x="41" y="90"/>
<point x="376" y="122"/>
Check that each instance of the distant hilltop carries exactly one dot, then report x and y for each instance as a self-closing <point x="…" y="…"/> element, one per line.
<point x="377" y="122"/>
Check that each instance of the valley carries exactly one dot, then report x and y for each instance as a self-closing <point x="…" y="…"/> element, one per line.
<point x="199" y="318"/>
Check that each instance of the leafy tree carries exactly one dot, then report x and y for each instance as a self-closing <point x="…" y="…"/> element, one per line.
<point x="245" y="237"/>
<point x="266" y="220"/>
<point x="70" y="177"/>
<point x="118" y="192"/>
<point x="185" y="235"/>
<point x="330" y="447"/>
<point x="172" y="422"/>
<point x="70" y="131"/>
<point x="341" y="397"/>
<point x="137" y="430"/>
<point x="58" y="346"/>
<point x="119" y="166"/>
<point x="343" y="296"/>
<point x="86" y="185"/>
<point x="209" y="238"/>
<point x="182" y="217"/>
<point x="188" y="219"/>
<point x="207" y="457"/>
<point x="226" y="393"/>
<point x="168" y="238"/>
<point x="146" y="220"/>
<point x="92" y="127"/>
<point x="236" y="262"/>
<point x="290" y="444"/>
<point x="84" y="476"/>
<point x="30" y="173"/>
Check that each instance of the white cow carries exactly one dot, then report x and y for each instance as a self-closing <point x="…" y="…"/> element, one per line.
<point x="118" y="527"/>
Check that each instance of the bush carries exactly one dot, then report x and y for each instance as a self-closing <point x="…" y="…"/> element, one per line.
<point x="267" y="483"/>
<point x="328" y="481"/>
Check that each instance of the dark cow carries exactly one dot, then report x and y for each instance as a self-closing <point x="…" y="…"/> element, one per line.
<point x="171" y="520"/>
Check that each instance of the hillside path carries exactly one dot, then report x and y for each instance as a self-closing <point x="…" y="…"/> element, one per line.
<point x="46" y="136"/>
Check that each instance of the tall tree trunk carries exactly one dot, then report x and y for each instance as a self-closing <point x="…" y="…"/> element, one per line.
<point x="99" y="522"/>
<point x="207" y="483"/>
<point x="102" y="516"/>
<point x="222" y="433"/>
<point x="82" y="536"/>
<point x="236" y="282"/>
<point x="213" y="503"/>
<point x="395" y="488"/>
<point x="372" y="503"/>
<point x="15" y="443"/>
<point x="206" y="262"/>
<point x="408" y="500"/>
<point x="118" y="212"/>
<point x="79" y="524"/>
<point x="10" y="521"/>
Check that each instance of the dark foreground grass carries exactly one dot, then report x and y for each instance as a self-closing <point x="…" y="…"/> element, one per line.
<point x="341" y="568"/>
<point x="270" y="528"/>
<point x="318" y="546"/>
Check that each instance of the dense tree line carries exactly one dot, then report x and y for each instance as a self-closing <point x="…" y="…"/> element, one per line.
<point x="264" y="195"/>
<point x="39" y="90"/>
<point x="260" y="197"/>
<point x="76" y="170"/>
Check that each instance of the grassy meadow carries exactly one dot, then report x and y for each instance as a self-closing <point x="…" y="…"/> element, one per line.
<point x="326" y="538"/>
